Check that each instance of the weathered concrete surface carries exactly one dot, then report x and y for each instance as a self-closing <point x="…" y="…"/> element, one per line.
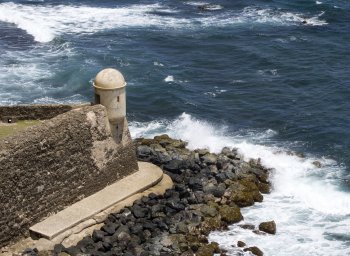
<point x="72" y="236"/>
<point x="48" y="167"/>
<point x="35" y="112"/>
<point x="147" y="176"/>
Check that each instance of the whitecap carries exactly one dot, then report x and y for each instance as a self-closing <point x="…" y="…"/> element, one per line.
<point x="169" y="79"/>
<point x="156" y="63"/>
<point x="45" y="23"/>
<point x="306" y="204"/>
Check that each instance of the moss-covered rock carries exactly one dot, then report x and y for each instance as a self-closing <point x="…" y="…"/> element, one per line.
<point x="211" y="223"/>
<point x="241" y="244"/>
<point x="230" y="214"/>
<point x="255" y="250"/>
<point x="264" y="188"/>
<point x="242" y="198"/>
<point x="209" y="210"/>
<point x="208" y="249"/>
<point x="268" y="227"/>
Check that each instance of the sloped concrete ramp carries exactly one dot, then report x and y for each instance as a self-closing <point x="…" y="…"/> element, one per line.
<point x="147" y="176"/>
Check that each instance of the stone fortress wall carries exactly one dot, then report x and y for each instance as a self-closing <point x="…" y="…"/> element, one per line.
<point x="77" y="151"/>
<point x="50" y="166"/>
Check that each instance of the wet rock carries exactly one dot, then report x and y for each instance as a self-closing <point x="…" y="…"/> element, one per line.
<point x="268" y="227"/>
<point x="255" y="250"/>
<point x="230" y="214"/>
<point x="241" y="244"/>
<point x="260" y="233"/>
<point x="247" y="226"/>
<point x="317" y="164"/>
<point x="264" y="188"/>
<point x="242" y="198"/>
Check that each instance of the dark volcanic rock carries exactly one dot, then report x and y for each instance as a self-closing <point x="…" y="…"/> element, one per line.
<point x="208" y="191"/>
<point x="174" y="166"/>
<point x="217" y="191"/>
<point x="139" y="212"/>
<point x="98" y="235"/>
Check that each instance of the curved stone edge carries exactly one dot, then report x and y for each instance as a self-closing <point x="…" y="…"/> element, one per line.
<point x="147" y="176"/>
<point x="71" y="236"/>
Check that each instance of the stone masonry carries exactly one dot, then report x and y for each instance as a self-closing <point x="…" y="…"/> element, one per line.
<point x="48" y="167"/>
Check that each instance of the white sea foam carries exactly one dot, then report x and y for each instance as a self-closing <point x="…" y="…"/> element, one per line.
<point x="305" y="203"/>
<point x="156" y="63"/>
<point x="257" y="15"/>
<point x="44" y="23"/>
<point x="169" y="79"/>
<point x="196" y="3"/>
<point x="215" y="93"/>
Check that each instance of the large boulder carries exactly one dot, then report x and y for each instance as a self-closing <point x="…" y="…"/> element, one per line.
<point x="268" y="227"/>
<point x="254" y="250"/>
<point x="230" y="214"/>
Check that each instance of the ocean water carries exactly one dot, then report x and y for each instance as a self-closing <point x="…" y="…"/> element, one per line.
<point x="269" y="77"/>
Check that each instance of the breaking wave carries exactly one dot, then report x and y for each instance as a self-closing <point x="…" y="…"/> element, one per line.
<point x="45" y="23"/>
<point x="305" y="202"/>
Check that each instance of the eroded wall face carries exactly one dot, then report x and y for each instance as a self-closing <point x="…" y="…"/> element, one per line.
<point x="51" y="166"/>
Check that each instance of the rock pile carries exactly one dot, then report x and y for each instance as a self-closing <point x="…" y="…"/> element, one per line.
<point x="208" y="191"/>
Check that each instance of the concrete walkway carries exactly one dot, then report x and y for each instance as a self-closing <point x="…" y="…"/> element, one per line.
<point x="147" y="176"/>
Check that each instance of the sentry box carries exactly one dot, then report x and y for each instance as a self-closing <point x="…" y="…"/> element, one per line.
<point x="109" y="86"/>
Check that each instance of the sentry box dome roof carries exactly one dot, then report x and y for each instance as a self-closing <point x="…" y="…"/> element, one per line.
<point x="109" y="79"/>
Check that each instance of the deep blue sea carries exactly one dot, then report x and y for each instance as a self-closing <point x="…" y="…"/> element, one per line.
<point x="269" y="77"/>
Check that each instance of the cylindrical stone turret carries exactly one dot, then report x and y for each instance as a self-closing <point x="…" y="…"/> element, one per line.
<point x="109" y="86"/>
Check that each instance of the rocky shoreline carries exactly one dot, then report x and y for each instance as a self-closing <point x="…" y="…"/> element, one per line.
<point x="209" y="190"/>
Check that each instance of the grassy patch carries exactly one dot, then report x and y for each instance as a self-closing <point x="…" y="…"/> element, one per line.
<point x="9" y="129"/>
